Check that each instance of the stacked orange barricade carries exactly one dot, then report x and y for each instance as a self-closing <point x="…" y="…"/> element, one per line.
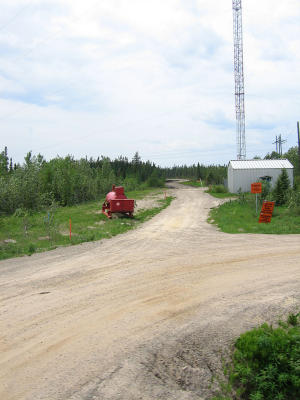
<point x="266" y="212"/>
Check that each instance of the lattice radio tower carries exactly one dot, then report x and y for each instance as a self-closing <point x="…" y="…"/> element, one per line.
<point x="239" y="79"/>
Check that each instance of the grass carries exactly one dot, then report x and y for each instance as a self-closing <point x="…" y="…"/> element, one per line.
<point x="220" y="192"/>
<point x="265" y="364"/>
<point x="240" y="217"/>
<point x="47" y="230"/>
<point x="221" y="195"/>
<point x="192" y="183"/>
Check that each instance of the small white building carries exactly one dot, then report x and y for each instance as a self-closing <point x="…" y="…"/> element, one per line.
<point x="241" y="173"/>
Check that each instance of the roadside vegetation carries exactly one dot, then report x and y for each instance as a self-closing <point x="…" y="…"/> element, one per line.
<point x="193" y="183"/>
<point x="39" y="198"/>
<point x="38" y="183"/>
<point x="239" y="216"/>
<point x="30" y="232"/>
<point x="207" y="174"/>
<point x="265" y="364"/>
<point x="219" y="191"/>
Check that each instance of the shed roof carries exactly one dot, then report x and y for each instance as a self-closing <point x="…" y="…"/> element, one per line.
<point x="260" y="164"/>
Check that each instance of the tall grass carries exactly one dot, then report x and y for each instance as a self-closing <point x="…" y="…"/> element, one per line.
<point x="265" y="364"/>
<point x="239" y="216"/>
<point x="28" y="233"/>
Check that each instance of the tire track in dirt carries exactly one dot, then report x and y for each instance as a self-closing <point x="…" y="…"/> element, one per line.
<point x="142" y="315"/>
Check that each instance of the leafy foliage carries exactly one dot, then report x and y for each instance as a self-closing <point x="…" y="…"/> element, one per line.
<point x="38" y="183"/>
<point x="281" y="190"/>
<point x="239" y="216"/>
<point x="44" y="230"/>
<point x="266" y="363"/>
<point x="218" y="189"/>
<point x="211" y="174"/>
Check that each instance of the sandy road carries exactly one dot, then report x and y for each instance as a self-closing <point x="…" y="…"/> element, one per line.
<point x="142" y="315"/>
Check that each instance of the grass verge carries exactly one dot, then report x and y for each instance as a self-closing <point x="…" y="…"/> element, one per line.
<point x="221" y="195"/>
<point x="265" y="364"/>
<point x="41" y="231"/>
<point x="240" y="217"/>
<point x="220" y="192"/>
<point x="192" y="183"/>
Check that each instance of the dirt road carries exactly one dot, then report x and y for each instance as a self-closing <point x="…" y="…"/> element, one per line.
<point x="142" y="315"/>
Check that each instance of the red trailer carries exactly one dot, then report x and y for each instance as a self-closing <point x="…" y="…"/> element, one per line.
<point x="117" y="202"/>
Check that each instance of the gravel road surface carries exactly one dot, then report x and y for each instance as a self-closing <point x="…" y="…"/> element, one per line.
<point x="143" y="315"/>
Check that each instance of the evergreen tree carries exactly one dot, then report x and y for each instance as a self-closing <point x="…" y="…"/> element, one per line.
<point x="3" y="161"/>
<point x="136" y="159"/>
<point x="198" y="172"/>
<point x="282" y="188"/>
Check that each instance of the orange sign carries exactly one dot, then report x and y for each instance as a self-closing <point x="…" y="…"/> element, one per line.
<point x="266" y="212"/>
<point x="268" y="207"/>
<point x="256" y="187"/>
<point x="266" y="218"/>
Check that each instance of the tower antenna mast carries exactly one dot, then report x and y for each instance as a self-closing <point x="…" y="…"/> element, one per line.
<point x="239" y="79"/>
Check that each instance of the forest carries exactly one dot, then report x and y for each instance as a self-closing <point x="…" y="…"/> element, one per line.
<point x="37" y="183"/>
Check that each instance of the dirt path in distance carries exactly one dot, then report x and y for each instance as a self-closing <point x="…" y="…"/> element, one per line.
<point x="142" y="315"/>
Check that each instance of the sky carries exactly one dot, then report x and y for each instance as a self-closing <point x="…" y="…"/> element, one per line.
<point x="112" y="77"/>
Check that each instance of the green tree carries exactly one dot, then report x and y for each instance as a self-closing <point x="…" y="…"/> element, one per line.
<point x="293" y="157"/>
<point x="198" y="172"/>
<point x="3" y="161"/>
<point x="273" y="156"/>
<point x="136" y="160"/>
<point x="281" y="189"/>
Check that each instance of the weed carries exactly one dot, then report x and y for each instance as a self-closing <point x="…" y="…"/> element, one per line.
<point x="193" y="183"/>
<point x="47" y="230"/>
<point x="265" y="364"/>
<point x="31" y="249"/>
<point x="239" y="216"/>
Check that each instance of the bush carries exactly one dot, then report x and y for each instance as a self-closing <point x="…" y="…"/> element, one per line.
<point x="154" y="181"/>
<point x="266" y="362"/>
<point x="265" y="190"/>
<point x="281" y="190"/>
<point x="294" y="201"/>
<point x="219" y="189"/>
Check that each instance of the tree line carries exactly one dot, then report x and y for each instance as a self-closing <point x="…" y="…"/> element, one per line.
<point x="37" y="183"/>
<point x="210" y="174"/>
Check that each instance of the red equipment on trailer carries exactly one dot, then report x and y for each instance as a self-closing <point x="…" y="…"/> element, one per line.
<point x="117" y="202"/>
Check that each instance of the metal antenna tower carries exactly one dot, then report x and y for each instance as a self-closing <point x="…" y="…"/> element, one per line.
<point x="239" y="79"/>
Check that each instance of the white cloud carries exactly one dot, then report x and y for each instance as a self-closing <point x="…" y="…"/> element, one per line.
<point x="117" y="76"/>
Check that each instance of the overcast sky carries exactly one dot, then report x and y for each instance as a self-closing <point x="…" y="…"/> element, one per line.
<point x="111" y="77"/>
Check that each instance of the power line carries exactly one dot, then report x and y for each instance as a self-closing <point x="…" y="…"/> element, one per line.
<point x="279" y="141"/>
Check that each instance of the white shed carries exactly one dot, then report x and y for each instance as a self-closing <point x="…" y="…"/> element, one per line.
<point x="241" y="173"/>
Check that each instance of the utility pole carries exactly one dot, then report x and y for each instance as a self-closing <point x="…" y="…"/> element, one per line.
<point x="279" y="141"/>
<point x="276" y="142"/>
<point x="239" y="79"/>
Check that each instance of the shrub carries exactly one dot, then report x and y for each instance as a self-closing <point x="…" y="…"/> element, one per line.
<point x="281" y="190"/>
<point x="154" y="181"/>
<point x="31" y="249"/>
<point x="219" y="189"/>
<point x="265" y="190"/>
<point x="294" y="199"/>
<point x="266" y="362"/>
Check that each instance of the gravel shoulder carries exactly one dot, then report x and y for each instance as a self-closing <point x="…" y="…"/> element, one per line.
<point x="142" y="315"/>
